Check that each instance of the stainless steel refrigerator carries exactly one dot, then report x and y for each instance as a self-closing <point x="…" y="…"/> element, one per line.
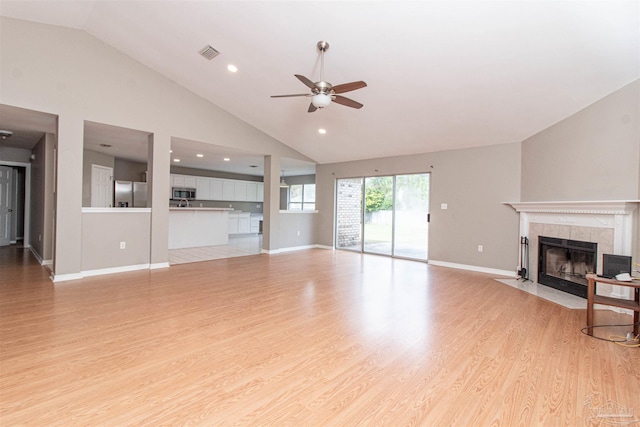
<point x="129" y="194"/>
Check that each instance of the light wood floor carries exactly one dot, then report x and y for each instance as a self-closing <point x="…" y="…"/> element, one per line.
<point x="308" y="338"/>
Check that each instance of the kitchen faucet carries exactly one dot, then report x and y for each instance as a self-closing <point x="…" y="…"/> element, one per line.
<point x="180" y="203"/>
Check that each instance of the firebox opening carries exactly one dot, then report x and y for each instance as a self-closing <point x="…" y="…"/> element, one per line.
<point x="563" y="264"/>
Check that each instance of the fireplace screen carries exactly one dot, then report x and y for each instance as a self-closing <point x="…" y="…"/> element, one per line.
<point x="563" y="264"/>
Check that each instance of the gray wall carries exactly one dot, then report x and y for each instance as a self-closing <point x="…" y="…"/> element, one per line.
<point x="127" y="170"/>
<point x="292" y="223"/>
<point x="42" y="198"/>
<point x="214" y="174"/>
<point x="592" y="155"/>
<point x="472" y="182"/>
<point x="102" y="234"/>
<point x="10" y="154"/>
<point x="85" y="79"/>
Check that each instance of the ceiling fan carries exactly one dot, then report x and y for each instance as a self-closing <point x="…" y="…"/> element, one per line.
<point x="322" y="92"/>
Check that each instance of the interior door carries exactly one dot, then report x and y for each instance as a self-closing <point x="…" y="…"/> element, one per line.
<point x="5" y="205"/>
<point x="101" y="186"/>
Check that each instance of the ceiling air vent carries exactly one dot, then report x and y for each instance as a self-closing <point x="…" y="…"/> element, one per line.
<point x="209" y="52"/>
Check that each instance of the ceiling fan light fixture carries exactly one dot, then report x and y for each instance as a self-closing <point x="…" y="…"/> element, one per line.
<point x="320" y="100"/>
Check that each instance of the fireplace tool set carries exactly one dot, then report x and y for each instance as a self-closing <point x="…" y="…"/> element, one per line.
<point x="523" y="272"/>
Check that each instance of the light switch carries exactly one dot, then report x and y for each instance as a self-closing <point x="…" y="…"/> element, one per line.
<point x="443" y="206"/>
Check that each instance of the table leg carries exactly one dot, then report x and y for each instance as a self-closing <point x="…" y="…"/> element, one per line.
<point x="590" y="298"/>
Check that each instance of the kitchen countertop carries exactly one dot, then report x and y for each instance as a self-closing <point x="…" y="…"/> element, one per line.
<point x="190" y="208"/>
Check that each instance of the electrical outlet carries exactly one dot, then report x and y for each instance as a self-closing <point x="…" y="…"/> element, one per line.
<point x="444" y="206"/>
<point x="123" y="245"/>
<point x="298" y="232"/>
<point x="480" y="248"/>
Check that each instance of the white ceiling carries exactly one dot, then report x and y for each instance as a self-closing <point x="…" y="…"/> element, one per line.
<point x="440" y="74"/>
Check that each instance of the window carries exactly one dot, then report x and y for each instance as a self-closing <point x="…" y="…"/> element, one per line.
<point x="302" y="197"/>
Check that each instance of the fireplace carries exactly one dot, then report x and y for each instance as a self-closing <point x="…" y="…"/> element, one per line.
<point x="611" y="224"/>
<point x="564" y="263"/>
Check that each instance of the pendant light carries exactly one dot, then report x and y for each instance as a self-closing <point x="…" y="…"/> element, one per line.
<point x="282" y="183"/>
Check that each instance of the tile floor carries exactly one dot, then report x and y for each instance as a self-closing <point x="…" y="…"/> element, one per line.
<point x="562" y="298"/>
<point x="240" y="245"/>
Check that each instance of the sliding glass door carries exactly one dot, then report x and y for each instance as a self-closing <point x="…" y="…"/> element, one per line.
<point x="378" y="215"/>
<point x="411" y="235"/>
<point x="387" y="215"/>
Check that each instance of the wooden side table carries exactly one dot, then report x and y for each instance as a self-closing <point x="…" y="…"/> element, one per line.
<point x="630" y="304"/>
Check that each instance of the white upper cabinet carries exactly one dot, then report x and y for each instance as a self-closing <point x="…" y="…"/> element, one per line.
<point x="260" y="192"/>
<point x="215" y="189"/>
<point x="177" y="180"/>
<point x="252" y="191"/>
<point x="228" y="189"/>
<point x="190" y="181"/>
<point x="203" y="188"/>
<point x="240" y="191"/>
<point x="219" y="188"/>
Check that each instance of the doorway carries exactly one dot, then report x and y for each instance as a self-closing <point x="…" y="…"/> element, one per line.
<point x="385" y="215"/>
<point x="5" y="204"/>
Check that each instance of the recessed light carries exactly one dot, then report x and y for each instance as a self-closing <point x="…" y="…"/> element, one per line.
<point x="232" y="68"/>
<point x="199" y="155"/>
<point x="226" y="159"/>
<point x="176" y="160"/>
<point x="322" y="131"/>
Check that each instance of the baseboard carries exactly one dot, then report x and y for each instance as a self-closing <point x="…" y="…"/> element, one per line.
<point x="101" y="271"/>
<point x="158" y="265"/>
<point x="47" y="262"/>
<point x="474" y="268"/>
<point x="56" y="278"/>
<point x="112" y="270"/>
<point x="293" y="248"/>
<point x="324" y="247"/>
<point x="37" y="255"/>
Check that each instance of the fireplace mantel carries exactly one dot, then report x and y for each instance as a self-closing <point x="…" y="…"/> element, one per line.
<point x="605" y="207"/>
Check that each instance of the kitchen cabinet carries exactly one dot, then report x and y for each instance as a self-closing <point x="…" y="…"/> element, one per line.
<point x="202" y="188"/>
<point x="252" y="191"/>
<point x="228" y="190"/>
<point x="239" y="222"/>
<point x="232" y="190"/>
<point x="183" y="181"/>
<point x="215" y="189"/>
<point x="244" y="224"/>
<point x="255" y="223"/>
<point x="240" y="191"/>
<point x="233" y="224"/>
<point x="260" y="192"/>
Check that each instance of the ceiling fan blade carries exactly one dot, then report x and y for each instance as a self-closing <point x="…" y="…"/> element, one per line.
<point x="306" y="81"/>
<point x="347" y="87"/>
<point x="312" y="108"/>
<point x="346" y="101"/>
<point x="287" y="96"/>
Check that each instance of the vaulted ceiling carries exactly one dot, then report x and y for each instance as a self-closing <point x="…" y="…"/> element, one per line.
<point x="440" y="74"/>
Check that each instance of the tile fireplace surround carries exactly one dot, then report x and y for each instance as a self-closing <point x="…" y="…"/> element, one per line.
<point x="610" y="224"/>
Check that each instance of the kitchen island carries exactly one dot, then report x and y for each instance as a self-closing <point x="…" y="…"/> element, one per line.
<point x="195" y="227"/>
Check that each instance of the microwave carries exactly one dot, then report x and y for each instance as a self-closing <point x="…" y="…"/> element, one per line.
<point x="178" y="193"/>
